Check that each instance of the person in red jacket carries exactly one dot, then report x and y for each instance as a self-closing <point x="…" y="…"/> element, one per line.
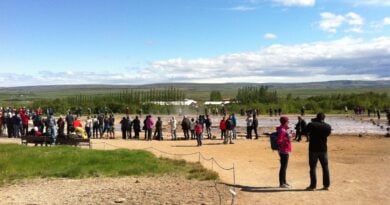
<point x="25" y="119"/>
<point x="222" y="126"/>
<point x="198" y="132"/>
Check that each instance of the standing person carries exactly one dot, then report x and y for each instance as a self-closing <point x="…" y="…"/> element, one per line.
<point x="172" y="124"/>
<point x="88" y="126"/>
<point x="185" y="126"/>
<point x="144" y="127"/>
<point x="61" y="127"/>
<point x="129" y="127"/>
<point x="25" y="119"/>
<point x="284" y="142"/>
<point x="198" y="132"/>
<point x="137" y="127"/>
<point x="95" y="127"/>
<point x="229" y="131"/>
<point x="255" y="125"/>
<point x="208" y="123"/>
<point x="101" y="125"/>
<point x="318" y="132"/>
<point x="249" y="126"/>
<point x="149" y="126"/>
<point x="192" y="128"/>
<point x="16" y="124"/>
<point x="111" y="126"/>
<point x="234" y="120"/>
<point x="222" y="126"/>
<point x="300" y="129"/>
<point x="124" y="124"/>
<point x="158" y="133"/>
<point x="51" y="128"/>
<point x="105" y="126"/>
<point x="69" y="122"/>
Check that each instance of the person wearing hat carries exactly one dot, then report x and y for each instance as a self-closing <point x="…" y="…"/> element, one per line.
<point x="284" y="142"/>
<point x="318" y="132"/>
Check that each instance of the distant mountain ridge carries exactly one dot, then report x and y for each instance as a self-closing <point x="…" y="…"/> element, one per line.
<point x="342" y="84"/>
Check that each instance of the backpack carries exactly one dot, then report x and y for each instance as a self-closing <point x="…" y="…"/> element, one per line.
<point x="273" y="138"/>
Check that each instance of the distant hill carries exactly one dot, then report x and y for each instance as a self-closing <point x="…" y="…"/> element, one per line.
<point x="195" y="90"/>
<point x="342" y="84"/>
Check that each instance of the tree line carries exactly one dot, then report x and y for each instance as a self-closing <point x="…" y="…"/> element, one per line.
<point x="251" y="97"/>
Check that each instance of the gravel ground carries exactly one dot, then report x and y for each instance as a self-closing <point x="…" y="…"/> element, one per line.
<point x="128" y="190"/>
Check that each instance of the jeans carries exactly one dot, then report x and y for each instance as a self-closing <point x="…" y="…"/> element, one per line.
<point x="199" y="139"/>
<point x="173" y="134"/>
<point x="313" y="158"/>
<point x="283" y="168"/>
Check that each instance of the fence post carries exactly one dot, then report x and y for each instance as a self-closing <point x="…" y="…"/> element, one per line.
<point x="234" y="175"/>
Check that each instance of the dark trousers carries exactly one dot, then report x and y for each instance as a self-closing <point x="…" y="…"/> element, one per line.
<point x="313" y="158"/>
<point x="24" y="130"/>
<point x="283" y="168"/>
<point x="255" y="130"/>
<point x="199" y="139"/>
<point x="95" y="132"/>
<point x="88" y="130"/>
<point x="129" y="132"/>
<point x="150" y="134"/>
<point x="186" y="134"/>
<point x="223" y="134"/>
<point x="123" y="133"/>
<point x="249" y="132"/>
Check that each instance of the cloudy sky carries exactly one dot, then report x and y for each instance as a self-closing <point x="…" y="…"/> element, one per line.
<point x="45" y="42"/>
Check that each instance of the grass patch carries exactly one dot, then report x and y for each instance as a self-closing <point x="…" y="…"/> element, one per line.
<point x="19" y="162"/>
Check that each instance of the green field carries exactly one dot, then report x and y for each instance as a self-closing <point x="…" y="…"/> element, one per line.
<point x="20" y="162"/>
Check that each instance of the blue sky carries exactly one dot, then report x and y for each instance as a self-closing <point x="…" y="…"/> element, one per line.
<point x="44" y="42"/>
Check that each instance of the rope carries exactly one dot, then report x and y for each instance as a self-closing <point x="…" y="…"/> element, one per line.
<point x="204" y="158"/>
<point x="221" y="166"/>
<point x="201" y="156"/>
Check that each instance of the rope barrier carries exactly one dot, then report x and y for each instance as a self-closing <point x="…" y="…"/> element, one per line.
<point x="200" y="156"/>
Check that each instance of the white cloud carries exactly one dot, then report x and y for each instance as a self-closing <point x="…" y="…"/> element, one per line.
<point x="331" y="22"/>
<point x="343" y="59"/>
<point x="373" y="2"/>
<point x="354" y="19"/>
<point x="270" y="36"/>
<point x="386" y="21"/>
<point x="303" y="3"/>
<point x="242" y="8"/>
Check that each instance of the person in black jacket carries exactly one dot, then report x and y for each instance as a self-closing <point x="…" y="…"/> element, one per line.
<point x="255" y="125"/>
<point x="158" y="131"/>
<point x="185" y="126"/>
<point x="137" y="127"/>
<point x="300" y="128"/>
<point x="318" y="132"/>
<point x="124" y="124"/>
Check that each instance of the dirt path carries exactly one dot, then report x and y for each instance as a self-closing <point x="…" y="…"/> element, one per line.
<point x="359" y="168"/>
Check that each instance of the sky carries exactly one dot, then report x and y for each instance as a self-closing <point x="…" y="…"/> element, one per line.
<point x="47" y="42"/>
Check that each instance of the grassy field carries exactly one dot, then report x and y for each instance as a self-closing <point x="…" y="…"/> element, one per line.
<point x="19" y="162"/>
